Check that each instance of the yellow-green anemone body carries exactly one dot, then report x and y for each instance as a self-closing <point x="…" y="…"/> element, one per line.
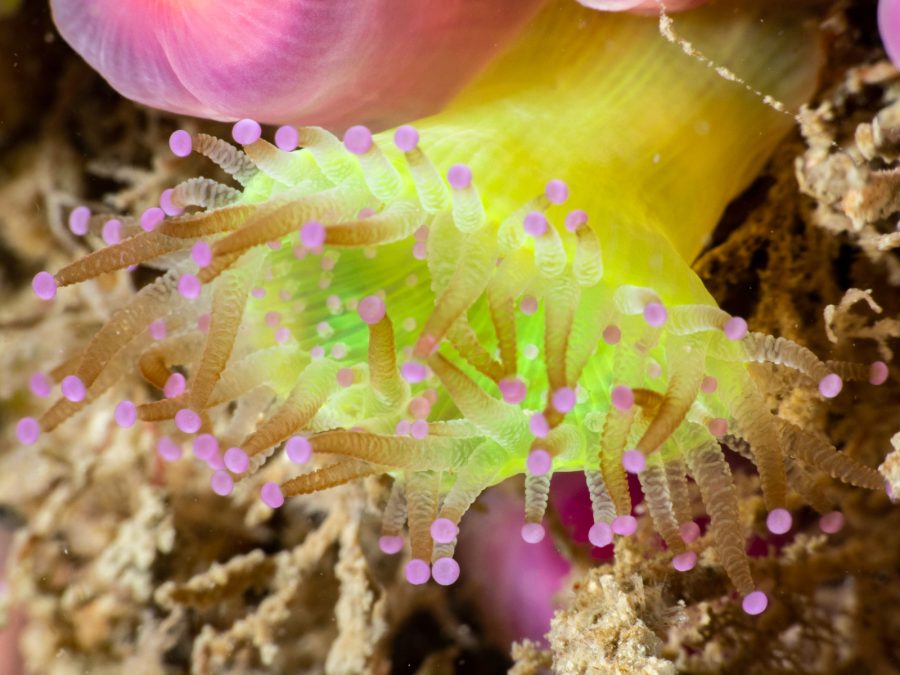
<point x="651" y="145"/>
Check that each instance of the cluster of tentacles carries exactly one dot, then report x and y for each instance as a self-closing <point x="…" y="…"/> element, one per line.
<point x="366" y="309"/>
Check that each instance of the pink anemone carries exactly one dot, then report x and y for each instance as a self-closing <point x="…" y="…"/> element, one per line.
<point x="641" y="6"/>
<point x="331" y="63"/>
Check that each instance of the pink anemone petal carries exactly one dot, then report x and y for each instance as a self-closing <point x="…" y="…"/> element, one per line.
<point x="641" y="6"/>
<point x="332" y="63"/>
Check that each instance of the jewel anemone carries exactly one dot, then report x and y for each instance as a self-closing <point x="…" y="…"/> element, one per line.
<point x="503" y="288"/>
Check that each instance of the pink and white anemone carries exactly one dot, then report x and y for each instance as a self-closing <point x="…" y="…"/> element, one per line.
<point x="331" y="63"/>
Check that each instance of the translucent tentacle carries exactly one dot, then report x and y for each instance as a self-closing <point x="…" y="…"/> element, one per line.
<point x="537" y="493"/>
<point x="756" y="424"/>
<point x="394" y="517"/>
<point x="499" y="421"/>
<point x="204" y="192"/>
<point x="690" y="319"/>
<point x="231" y="160"/>
<point x="588" y="263"/>
<point x="473" y="271"/>
<point x="601" y="503"/>
<point x="659" y="502"/>
<point x="430" y="187"/>
<point x="559" y="313"/>
<point x="336" y="163"/>
<point x="289" y="168"/>
<point x="390" y="389"/>
<point x="229" y="300"/>
<point x="317" y="382"/>
<point x="157" y="360"/>
<point x="436" y="453"/>
<point x="272" y="224"/>
<point x="710" y="470"/>
<point x="398" y="221"/>
<point x="549" y="254"/>
<point x="804" y="484"/>
<point x="328" y="477"/>
<point x="612" y="446"/>
<point x="818" y="452"/>
<point x="686" y="359"/>
<point x="421" y="498"/>
<point x="466" y="342"/>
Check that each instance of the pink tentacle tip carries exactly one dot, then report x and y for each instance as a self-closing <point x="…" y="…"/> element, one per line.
<point x="151" y="218"/>
<point x="528" y="305"/>
<point x="236" y="460"/>
<point x="174" y="386"/>
<point x="535" y="224"/>
<point x="417" y="572"/>
<point x="634" y="461"/>
<point x="459" y="176"/>
<point x="344" y="377"/>
<point x="413" y="372"/>
<point x="287" y="138"/>
<point x="205" y="447"/>
<point x="513" y="390"/>
<point x="126" y="414"/>
<point x="181" y="143"/>
<point x="189" y="286"/>
<point x="878" y="373"/>
<point x="684" y="562"/>
<point x="40" y="385"/>
<point x="168" y="450"/>
<point x="538" y="425"/>
<point x="28" y="430"/>
<point x="390" y="544"/>
<point x="112" y="231"/>
<point x="612" y="334"/>
<point x="755" y="603"/>
<point x="221" y="483"/>
<point x="358" y="140"/>
<point x="272" y="496"/>
<point x="187" y="421"/>
<point x="655" y="314"/>
<point x="444" y="530"/>
<point x="445" y="571"/>
<point x="312" y="234"/>
<point x="298" y="449"/>
<point x="779" y="521"/>
<point x="557" y="191"/>
<point x="158" y="329"/>
<point x="564" y="399"/>
<point x="406" y="138"/>
<point x="735" y="328"/>
<point x="246" y="131"/>
<point x="419" y="407"/>
<point x="44" y="285"/>
<point x="202" y="254"/>
<point x="689" y="532"/>
<point x="533" y="533"/>
<point x="624" y="525"/>
<point x="167" y="205"/>
<point x="575" y="219"/>
<point x="709" y="385"/>
<point x="78" y="220"/>
<point x="622" y="397"/>
<point x="73" y="388"/>
<point x="600" y="535"/>
<point x="718" y="427"/>
<point x="832" y="523"/>
<point x="371" y="309"/>
<point x="539" y="462"/>
<point x="830" y="385"/>
<point x="419" y="429"/>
